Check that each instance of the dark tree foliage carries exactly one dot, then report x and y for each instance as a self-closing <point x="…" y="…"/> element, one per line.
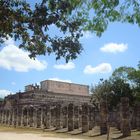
<point x="30" y="24"/>
<point x="124" y="82"/>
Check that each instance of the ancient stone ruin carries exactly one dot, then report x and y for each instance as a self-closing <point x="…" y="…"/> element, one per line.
<point x="58" y="105"/>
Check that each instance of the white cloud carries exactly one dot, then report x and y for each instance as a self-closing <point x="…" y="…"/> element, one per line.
<point x="114" y="48"/>
<point x="57" y="79"/>
<point x="4" y="93"/>
<point x="101" y="68"/>
<point x="68" y="66"/>
<point x="11" y="57"/>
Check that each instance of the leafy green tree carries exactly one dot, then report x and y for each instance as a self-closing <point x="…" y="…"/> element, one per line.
<point x="30" y="24"/>
<point x="101" y="91"/>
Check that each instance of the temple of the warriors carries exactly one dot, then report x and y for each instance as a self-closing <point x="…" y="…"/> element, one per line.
<point x="57" y="105"/>
<point x="53" y="104"/>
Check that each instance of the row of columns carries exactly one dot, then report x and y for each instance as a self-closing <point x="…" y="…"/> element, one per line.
<point x="70" y="117"/>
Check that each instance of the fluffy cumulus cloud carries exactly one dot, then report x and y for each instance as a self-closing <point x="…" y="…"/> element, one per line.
<point x="61" y="80"/>
<point x="4" y="93"/>
<point x="68" y="66"/>
<point x="114" y="48"/>
<point x="11" y="57"/>
<point x="101" y="68"/>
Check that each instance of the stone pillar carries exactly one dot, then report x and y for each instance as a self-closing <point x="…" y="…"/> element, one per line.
<point x="38" y="111"/>
<point x="85" y="111"/>
<point x="3" y="116"/>
<point x="21" y="123"/>
<point x="7" y="115"/>
<point x="31" y="117"/>
<point x="91" y="117"/>
<point x="65" y="116"/>
<point x="48" y="121"/>
<point x="118" y="117"/>
<point x="80" y="116"/>
<point x="70" y="117"/>
<point x="138" y="116"/>
<point x="58" y="117"/>
<point x="16" y="117"/>
<point x="19" y="116"/>
<point x="35" y="117"/>
<point x="25" y="117"/>
<point x="11" y="117"/>
<point x="44" y="117"/>
<point x="126" y="130"/>
<point x="76" y="117"/>
<point x="103" y="117"/>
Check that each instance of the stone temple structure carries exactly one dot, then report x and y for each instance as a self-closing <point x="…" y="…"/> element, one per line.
<point x="56" y="105"/>
<point x="53" y="104"/>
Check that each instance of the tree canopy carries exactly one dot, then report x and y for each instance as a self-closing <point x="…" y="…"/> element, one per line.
<point x="30" y="24"/>
<point x="124" y="82"/>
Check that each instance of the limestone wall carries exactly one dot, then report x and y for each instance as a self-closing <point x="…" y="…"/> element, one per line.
<point x="66" y="88"/>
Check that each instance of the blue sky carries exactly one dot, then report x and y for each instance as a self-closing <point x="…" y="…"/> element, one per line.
<point x="118" y="46"/>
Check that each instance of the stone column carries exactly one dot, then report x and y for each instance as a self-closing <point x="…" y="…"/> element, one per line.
<point x="21" y="123"/>
<point x="3" y="116"/>
<point x="25" y="117"/>
<point x="85" y="111"/>
<point x="65" y="116"/>
<point x="118" y="117"/>
<point x="91" y="117"/>
<point x="58" y="117"/>
<point x="138" y="116"/>
<point x="126" y="130"/>
<point x="19" y="116"/>
<point x="80" y="116"/>
<point x="13" y="117"/>
<point x="103" y="117"/>
<point x="48" y="121"/>
<point x="15" y="114"/>
<point x="31" y="117"/>
<point x="44" y="117"/>
<point x="35" y="117"/>
<point x="76" y="117"/>
<point x="70" y="117"/>
<point x="7" y="115"/>
<point x="38" y="117"/>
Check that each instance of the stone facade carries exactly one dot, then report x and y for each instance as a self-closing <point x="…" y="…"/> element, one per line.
<point x="47" y="108"/>
<point x="52" y="105"/>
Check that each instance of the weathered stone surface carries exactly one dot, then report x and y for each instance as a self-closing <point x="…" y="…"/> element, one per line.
<point x="48" y="120"/>
<point x="91" y="117"/>
<point x="70" y="117"/>
<point x="58" y="116"/>
<point x="125" y="113"/>
<point x="76" y="117"/>
<point x="65" y="117"/>
<point x="103" y="117"/>
<point x="85" y="124"/>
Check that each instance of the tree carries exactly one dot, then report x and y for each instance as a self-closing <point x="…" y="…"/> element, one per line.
<point x="101" y="91"/>
<point x="30" y="24"/>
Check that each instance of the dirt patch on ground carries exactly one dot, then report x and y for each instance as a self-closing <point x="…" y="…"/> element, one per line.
<point x="10" y="133"/>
